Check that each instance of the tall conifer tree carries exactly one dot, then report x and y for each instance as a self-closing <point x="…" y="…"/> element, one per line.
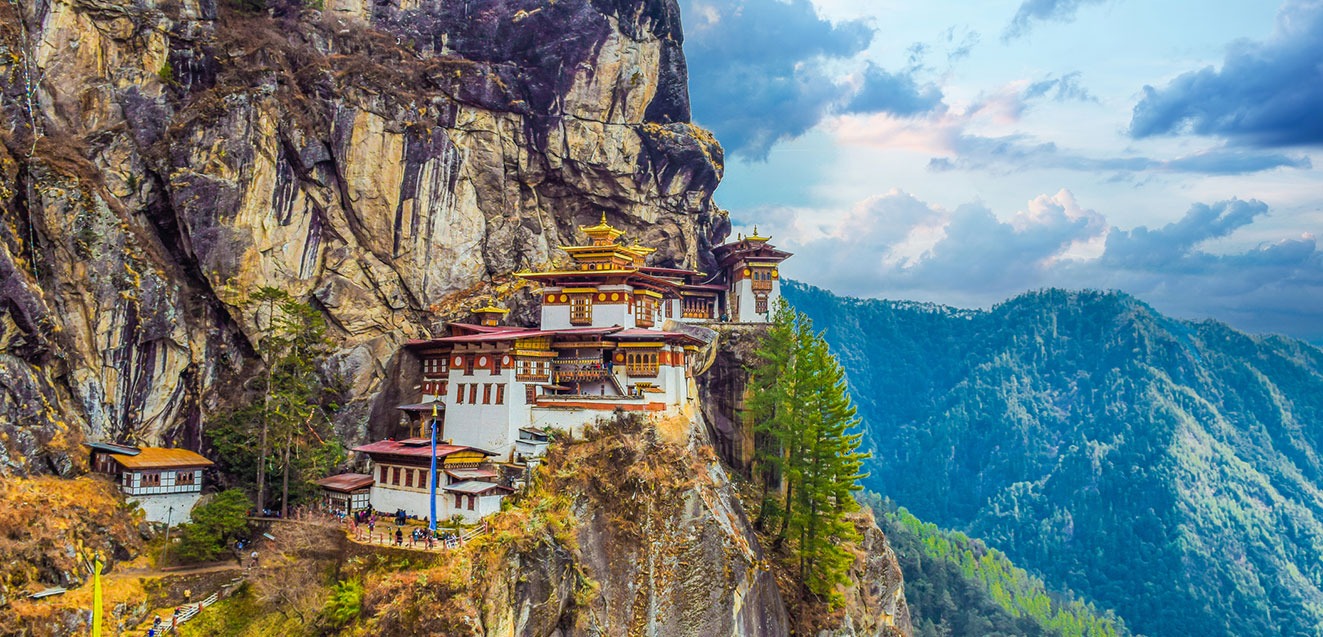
<point x="768" y="409"/>
<point x="802" y="416"/>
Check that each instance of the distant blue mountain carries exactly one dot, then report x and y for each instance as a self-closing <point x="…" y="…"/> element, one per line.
<point x="1167" y="469"/>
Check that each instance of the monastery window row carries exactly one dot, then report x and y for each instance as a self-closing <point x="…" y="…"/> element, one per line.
<point x="435" y="387"/>
<point x="641" y="363"/>
<point x="411" y="478"/>
<point x="436" y="366"/>
<point x="762" y="279"/>
<point x="495" y="362"/>
<point x="487" y="393"/>
<point x="697" y="307"/>
<point x="532" y="369"/>
<point x="459" y="501"/>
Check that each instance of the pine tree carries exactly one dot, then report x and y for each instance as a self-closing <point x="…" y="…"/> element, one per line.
<point x="802" y="416"/>
<point x="292" y="415"/>
<point x="768" y="409"/>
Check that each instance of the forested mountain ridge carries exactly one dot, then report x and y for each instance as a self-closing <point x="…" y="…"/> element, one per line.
<point x="1167" y="469"/>
<point x="956" y="585"/>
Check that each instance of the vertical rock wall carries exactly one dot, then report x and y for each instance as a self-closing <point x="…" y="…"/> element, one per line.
<point x="386" y="161"/>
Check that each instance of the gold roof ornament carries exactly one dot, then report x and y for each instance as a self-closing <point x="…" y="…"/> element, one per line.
<point x="602" y="234"/>
<point x="756" y="237"/>
<point x="489" y="309"/>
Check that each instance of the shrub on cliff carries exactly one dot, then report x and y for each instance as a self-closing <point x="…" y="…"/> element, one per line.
<point x="214" y="525"/>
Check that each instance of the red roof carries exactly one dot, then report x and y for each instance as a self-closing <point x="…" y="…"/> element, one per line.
<point x="650" y="269"/>
<point x="346" y="482"/>
<point x="472" y="474"/>
<point x="529" y="332"/>
<point x="418" y="447"/>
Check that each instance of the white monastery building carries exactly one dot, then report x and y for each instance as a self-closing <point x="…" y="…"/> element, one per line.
<point x="165" y="483"/>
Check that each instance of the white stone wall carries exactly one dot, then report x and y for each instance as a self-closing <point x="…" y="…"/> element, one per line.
<point x="748" y="303"/>
<point x="158" y="507"/>
<point x="487" y="505"/>
<point x="418" y="504"/>
<point x="387" y="500"/>
<point x="490" y="427"/>
<point x="556" y="317"/>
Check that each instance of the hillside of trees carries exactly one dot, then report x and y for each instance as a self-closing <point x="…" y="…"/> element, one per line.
<point x="957" y="585"/>
<point x="1166" y="469"/>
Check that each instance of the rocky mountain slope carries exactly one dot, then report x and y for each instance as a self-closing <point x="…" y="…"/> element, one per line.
<point x="1166" y="469"/>
<point x="163" y="159"/>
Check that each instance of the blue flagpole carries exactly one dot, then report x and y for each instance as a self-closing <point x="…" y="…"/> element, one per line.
<point x="431" y="521"/>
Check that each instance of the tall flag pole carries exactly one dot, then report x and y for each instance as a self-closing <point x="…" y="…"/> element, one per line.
<point x="96" y="596"/>
<point x="431" y="521"/>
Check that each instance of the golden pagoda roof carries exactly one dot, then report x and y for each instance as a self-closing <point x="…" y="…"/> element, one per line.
<point x="639" y="250"/>
<point x="755" y="237"/>
<point x="603" y="233"/>
<point x="489" y="309"/>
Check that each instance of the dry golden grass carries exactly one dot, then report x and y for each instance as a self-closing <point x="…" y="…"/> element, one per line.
<point x="51" y="526"/>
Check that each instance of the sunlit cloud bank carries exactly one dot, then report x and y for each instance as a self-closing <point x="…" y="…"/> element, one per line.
<point x="896" y="246"/>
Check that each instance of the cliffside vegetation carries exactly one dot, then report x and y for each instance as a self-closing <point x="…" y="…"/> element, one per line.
<point x="214" y="525"/>
<point x="50" y="529"/>
<point x="1166" y="469"/>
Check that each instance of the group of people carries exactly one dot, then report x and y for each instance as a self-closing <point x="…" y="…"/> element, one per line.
<point x="363" y="524"/>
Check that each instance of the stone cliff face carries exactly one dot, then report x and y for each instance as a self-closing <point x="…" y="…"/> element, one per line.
<point x="388" y="161"/>
<point x="662" y="546"/>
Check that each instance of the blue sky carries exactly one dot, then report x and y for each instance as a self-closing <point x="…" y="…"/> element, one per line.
<point x="963" y="152"/>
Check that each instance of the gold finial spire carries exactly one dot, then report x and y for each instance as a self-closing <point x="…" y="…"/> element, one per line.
<point x="757" y="237"/>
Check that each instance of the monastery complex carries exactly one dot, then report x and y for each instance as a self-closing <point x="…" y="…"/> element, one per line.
<point x="610" y="338"/>
<point x="614" y="335"/>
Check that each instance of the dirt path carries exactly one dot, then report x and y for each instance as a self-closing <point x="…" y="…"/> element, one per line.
<point x="168" y="572"/>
